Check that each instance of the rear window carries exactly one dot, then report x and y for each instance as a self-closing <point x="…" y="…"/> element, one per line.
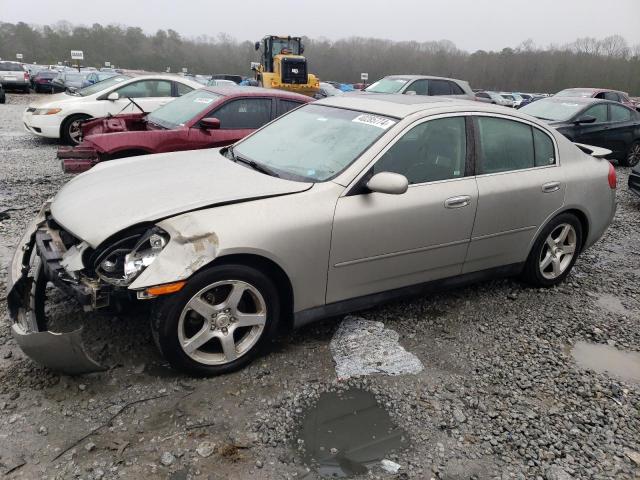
<point x="11" y="67"/>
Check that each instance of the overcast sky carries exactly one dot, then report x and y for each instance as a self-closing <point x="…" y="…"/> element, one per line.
<point x="470" y="24"/>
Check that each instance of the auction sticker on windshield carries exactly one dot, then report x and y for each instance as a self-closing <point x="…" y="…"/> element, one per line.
<point x="375" y="120"/>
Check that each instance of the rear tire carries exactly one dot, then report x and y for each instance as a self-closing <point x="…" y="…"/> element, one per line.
<point x="633" y="155"/>
<point x="70" y="131"/>
<point x="554" y="252"/>
<point x="238" y="310"/>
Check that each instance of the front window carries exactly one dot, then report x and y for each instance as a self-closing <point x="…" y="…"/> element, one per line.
<point x="100" y="86"/>
<point x="434" y="150"/>
<point x="552" y="110"/>
<point x="387" y="85"/>
<point x="183" y="109"/>
<point x="146" y="89"/>
<point x="315" y="142"/>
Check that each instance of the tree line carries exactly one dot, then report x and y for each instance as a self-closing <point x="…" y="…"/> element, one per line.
<point x="609" y="62"/>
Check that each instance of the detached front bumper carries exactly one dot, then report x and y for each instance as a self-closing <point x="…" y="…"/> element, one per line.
<point x="63" y="352"/>
<point x="77" y="159"/>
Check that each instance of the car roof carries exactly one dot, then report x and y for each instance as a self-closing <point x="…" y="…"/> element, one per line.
<point x="593" y="90"/>
<point x="399" y="106"/>
<point x="424" y="77"/>
<point x="247" y="91"/>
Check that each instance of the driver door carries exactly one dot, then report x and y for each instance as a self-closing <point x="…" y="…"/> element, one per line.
<point x="382" y="242"/>
<point x="238" y="118"/>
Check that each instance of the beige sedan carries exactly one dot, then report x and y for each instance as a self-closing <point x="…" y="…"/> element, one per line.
<point x="334" y="207"/>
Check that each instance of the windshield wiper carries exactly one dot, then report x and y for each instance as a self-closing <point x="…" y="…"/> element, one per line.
<point x="252" y="163"/>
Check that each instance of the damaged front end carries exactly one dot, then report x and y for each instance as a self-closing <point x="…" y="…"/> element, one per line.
<point x="95" y="278"/>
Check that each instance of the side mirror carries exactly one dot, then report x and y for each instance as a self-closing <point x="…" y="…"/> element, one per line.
<point x="113" y="96"/>
<point x="388" y="182"/>
<point x="257" y="46"/>
<point x="210" y="124"/>
<point x="586" y="119"/>
<point x="301" y="49"/>
<point x="410" y="92"/>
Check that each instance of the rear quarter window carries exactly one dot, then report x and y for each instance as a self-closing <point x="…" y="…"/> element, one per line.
<point x="505" y="145"/>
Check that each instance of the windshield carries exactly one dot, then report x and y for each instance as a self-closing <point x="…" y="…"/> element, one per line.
<point x="387" y="85"/>
<point x="574" y="92"/>
<point x="291" y="47"/>
<point x="73" y="77"/>
<point x="315" y="142"/>
<point x="103" y="85"/>
<point x="548" y="109"/>
<point x="179" y="111"/>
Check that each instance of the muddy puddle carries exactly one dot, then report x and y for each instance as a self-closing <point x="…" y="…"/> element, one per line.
<point x="348" y="433"/>
<point x="607" y="359"/>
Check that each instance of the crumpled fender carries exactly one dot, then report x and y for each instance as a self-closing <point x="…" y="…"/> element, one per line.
<point x="192" y="246"/>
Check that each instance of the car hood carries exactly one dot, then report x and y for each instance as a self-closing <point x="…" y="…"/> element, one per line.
<point x="118" y="194"/>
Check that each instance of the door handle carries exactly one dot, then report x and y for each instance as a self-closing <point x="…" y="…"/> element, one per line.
<point x="457" y="202"/>
<point x="551" y="187"/>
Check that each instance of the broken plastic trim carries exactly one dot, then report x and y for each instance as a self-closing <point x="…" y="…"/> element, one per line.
<point x="62" y="352"/>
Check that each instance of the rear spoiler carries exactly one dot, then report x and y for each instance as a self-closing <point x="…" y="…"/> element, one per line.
<point x="597" y="152"/>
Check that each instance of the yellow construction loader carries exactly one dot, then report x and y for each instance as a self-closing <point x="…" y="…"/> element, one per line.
<point x="282" y="66"/>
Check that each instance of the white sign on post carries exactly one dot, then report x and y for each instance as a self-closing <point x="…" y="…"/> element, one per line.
<point x="19" y="56"/>
<point x="77" y="55"/>
<point x="364" y="76"/>
<point x="107" y="64"/>
<point x="184" y="70"/>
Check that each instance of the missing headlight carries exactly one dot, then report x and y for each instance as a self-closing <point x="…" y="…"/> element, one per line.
<point x="121" y="263"/>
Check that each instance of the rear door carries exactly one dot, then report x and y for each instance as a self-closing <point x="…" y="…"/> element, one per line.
<point x="382" y="242"/>
<point x="621" y="129"/>
<point x="238" y="118"/>
<point x="519" y="187"/>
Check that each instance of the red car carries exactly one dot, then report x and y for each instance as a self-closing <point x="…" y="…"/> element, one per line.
<point x="601" y="93"/>
<point x="204" y="118"/>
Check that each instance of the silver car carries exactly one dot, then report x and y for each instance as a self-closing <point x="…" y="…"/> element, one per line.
<point x="336" y="206"/>
<point x="422" y="85"/>
<point x="13" y="75"/>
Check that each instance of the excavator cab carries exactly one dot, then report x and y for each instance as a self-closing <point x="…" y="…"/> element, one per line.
<point x="283" y="66"/>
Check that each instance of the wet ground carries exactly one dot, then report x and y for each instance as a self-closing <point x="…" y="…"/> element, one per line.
<point x="513" y="381"/>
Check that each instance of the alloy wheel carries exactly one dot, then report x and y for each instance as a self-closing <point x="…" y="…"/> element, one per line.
<point x="75" y="132"/>
<point x="222" y="322"/>
<point x="558" y="251"/>
<point x="633" y="158"/>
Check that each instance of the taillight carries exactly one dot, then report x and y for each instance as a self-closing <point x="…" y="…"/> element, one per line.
<point x="26" y="76"/>
<point x="612" y="177"/>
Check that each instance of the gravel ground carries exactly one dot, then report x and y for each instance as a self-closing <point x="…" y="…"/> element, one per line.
<point x="499" y="397"/>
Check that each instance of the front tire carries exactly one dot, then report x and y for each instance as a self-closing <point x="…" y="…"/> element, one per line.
<point x="633" y="156"/>
<point x="70" y="130"/>
<point x="554" y="252"/>
<point x="219" y="322"/>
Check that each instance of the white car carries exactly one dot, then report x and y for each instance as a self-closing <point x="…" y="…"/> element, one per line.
<point x="60" y="116"/>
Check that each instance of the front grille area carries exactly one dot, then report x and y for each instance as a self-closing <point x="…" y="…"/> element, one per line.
<point x="294" y="70"/>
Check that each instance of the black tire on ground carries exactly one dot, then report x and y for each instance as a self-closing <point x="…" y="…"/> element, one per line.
<point x="26" y="89"/>
<point x="533" y="273"/>
<point x="3" y="99"/>
<point x="632" y="158"/>
<point x="166" y="313"/>
<point x="65" y="130"/>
